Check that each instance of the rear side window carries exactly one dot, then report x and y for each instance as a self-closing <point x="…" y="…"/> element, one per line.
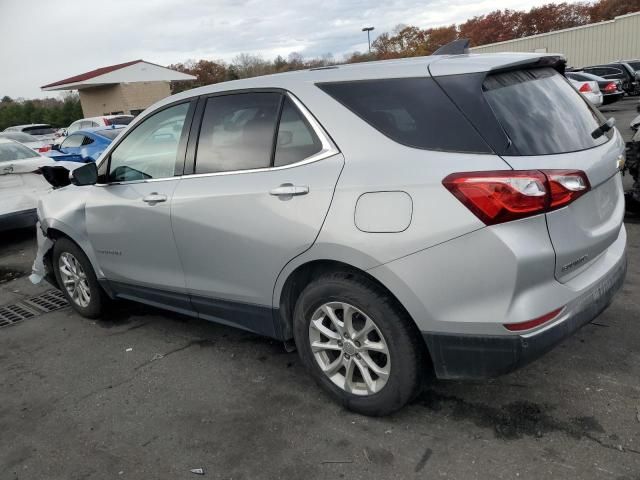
<point x="412" y="111"/>
<point x="296" y="139"/>
<point x="541" y="112"/>
<point x="237" y="132"/>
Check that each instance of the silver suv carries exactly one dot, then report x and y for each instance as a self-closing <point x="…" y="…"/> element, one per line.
<point x="461" y="214"/>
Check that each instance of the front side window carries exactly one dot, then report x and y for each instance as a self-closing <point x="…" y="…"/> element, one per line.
<point x="151" y="149"/>
<point x="412" y="111"/>
<point x="237" y="132"/>
<point x="74" y="127"/>
<point x="296" y="139"/>
<point x="72" y="141"/>
<point x="541" y="112"/>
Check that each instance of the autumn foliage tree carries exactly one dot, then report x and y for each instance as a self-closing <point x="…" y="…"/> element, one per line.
<point x="411" y="41"/>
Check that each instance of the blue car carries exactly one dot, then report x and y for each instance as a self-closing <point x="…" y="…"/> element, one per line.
<point x="85" y="145"/>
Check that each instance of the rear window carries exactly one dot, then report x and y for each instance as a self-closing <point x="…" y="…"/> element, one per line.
<point x="541" y="112"/>
<point x="15" y="151"/>
<point x="111" y="133"/>
<point x="19" y="137"/>
<point x="412" y="111"/>
<point x="125" y="120"/>
<point x="39" y="130"/>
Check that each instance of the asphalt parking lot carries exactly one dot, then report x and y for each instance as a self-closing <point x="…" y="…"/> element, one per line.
<point x="146" y="394"/>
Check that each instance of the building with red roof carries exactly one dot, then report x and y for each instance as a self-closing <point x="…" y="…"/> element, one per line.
<point x="125" y="88"/>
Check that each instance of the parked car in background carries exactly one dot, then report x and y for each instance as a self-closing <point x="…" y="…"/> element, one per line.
<point x="611" y="89"/>
<point x="618" y="70"/>
<point x="42" y="131"/>
<point x="466" y="209"/>
<point x="85" y="145"/>
<point x="589" y="90"/>
<point x="20" y="187"/>
<point x="30" y="141"/>
<point x="95" y="122"/>
<point x="635" y="64"/>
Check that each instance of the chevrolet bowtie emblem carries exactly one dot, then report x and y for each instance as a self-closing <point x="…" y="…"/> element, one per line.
<point x="620" y="163"/>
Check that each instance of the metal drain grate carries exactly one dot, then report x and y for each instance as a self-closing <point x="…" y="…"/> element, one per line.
<point x="32" y="307"/>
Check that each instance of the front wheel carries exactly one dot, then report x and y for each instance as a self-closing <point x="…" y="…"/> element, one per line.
<point x="77" y="279"/>
<point x="358" y="344"/>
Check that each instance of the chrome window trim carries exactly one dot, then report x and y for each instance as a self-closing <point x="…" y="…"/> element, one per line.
<point x="329" y="149"/>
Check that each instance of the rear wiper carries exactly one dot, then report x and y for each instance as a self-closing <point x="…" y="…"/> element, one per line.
<point x="604" y="128"/>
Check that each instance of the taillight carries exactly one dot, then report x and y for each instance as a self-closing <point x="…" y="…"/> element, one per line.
<point x="503" y="196"/>
<point x="610" y="87"/>
<point x="585" y="88"/>
<point x="44" y="149"/>
<point x="536" y="322"/>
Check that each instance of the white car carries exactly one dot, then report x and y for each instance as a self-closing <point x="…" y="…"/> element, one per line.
<point x="27" y="140"/>
<point x="589" y="90"/>
<point x="21" y="185"/>
<point x="635" y="123"/>
<point x="42" y="131"/>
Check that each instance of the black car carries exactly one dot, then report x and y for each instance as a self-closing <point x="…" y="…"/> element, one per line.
<point x="618" y="70"/>
<point x="611" y="89"/>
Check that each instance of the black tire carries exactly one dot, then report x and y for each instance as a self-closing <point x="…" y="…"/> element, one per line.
<point x="98" y="297"/>
<point x="405" y="347"/>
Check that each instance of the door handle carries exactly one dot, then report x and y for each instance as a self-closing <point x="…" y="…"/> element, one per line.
<point x="154" y="198"/>
<point x="289" y="190"/>
<point x="7" y="170"/>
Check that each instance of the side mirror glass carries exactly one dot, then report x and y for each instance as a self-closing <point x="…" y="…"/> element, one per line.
<point x="85" y="175"/>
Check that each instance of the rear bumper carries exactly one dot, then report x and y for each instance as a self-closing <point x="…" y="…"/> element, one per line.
<point x="479" y="356"/>
<point x="21" y="219"/>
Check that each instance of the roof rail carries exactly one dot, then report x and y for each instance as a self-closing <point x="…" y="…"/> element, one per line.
<point x="457" y="47"/>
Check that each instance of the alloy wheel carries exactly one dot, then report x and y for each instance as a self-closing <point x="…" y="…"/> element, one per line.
<point x="349" y="348"/>
<point x="74" y="280"/>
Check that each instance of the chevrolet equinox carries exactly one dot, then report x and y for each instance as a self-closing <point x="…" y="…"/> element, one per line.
<point x="460" y="214"/>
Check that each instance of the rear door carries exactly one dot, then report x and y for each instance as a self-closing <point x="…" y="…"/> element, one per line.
<point x="264" y="177"/>
<point x="550" y="126"/>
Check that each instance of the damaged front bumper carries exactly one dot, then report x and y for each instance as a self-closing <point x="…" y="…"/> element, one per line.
<point x="39" y="271"/>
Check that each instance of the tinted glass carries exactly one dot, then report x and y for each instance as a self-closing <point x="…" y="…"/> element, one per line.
<point x="635" y="65"/>
<point x="72" y="141"/>
<point x="412" y="111"/>
<point x="296" y="139"/>
<point x="541" y="112"/>
<point x="151" y="149"/>
<point x="237" y="132"/>
<point x="125" y="120"/>
<point x="39" y="130"/>
<point x="14" y="151"/>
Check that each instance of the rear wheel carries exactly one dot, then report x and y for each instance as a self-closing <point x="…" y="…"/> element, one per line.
<point x="358" y="344"/>
<point x="77" y="279"/>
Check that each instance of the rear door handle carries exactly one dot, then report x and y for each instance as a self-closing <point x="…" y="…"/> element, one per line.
<point x="154" y="198"/>
<point x="289" y="190"/>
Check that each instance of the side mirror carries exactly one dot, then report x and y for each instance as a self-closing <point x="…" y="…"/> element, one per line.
<point x="85" y="175"/>
<point x="55" y="146"/>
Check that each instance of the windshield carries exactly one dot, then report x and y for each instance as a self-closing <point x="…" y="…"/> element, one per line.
<point x="14" y="151"/>
<point x="541" y="112"/>
<point x="19" y="137"/>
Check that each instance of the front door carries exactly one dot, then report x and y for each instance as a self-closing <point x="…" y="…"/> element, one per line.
<point x="129" y="212"/>
<point x="254" y="203"/>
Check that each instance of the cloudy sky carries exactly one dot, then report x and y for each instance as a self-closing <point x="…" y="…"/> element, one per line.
<point x="47" y="40"/>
